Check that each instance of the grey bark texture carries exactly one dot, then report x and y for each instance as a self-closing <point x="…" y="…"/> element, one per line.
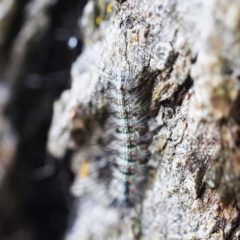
<point x="190" y="52"/>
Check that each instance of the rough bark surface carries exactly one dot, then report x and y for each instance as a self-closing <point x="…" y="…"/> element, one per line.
<point x="192" y="48"/>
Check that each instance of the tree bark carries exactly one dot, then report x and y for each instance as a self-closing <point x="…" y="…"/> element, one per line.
<point x="193" y="47"/>
<point x="185" y="56"/>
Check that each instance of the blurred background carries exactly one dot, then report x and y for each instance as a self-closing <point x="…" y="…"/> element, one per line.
<point x="38" y="43"/>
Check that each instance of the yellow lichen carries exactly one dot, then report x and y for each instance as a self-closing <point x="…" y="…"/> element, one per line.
<point x="109" y="8"/>
<point x="84" y="169"/>
<point x="98" y="20"/>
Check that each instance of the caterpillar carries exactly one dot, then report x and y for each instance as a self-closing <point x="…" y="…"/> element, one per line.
<point x="117" y="165"/>
<point x="120" y="179"/>
<point x="125" y="107"/>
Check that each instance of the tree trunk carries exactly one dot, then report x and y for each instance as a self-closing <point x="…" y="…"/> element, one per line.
<point x="190" y="53"/>
<point x="183" y="58"/>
